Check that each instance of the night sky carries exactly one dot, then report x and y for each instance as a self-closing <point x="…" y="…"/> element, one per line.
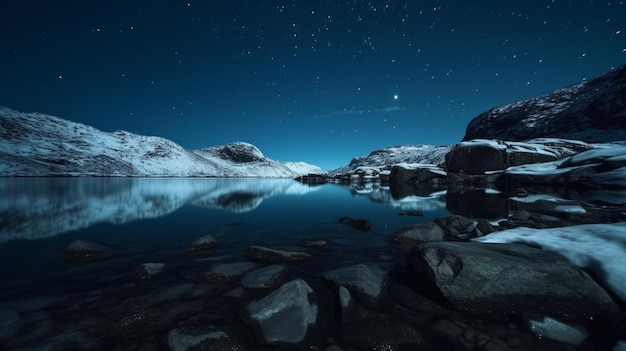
<point x="314" y="81"/>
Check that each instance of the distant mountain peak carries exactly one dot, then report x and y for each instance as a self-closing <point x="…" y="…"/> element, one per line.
<point x="592" y="111"/>
<point x="241" y="152"/>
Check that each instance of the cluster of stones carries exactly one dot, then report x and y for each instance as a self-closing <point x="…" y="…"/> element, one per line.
<point x="452" y="293"/>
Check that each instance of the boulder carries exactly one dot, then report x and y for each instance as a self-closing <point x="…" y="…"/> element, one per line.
<point x="201" y="338"/>
<point x="267" y="255"/>
<point x="505" y="279"/>
<point x="366" y="282"/>
<point x="265" y="278"/>
<point x="480" y="156"/>
<point x="456" y="226"/>
<point x="409" y="237"/>
<point x="316" y="246"/>
<point x="148" y="270"/>
<point x="416" y="174"/>
<point x="409" y="179"/>
<point x="82" y="251"/>
<point x="285" y="316"/>
<point x="203" y="244"/>
<point x="361" y="224"/>
<point x="225" y="272"/>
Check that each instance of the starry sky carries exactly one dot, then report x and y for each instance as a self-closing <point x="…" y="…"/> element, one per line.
<point x="319" y="81"/>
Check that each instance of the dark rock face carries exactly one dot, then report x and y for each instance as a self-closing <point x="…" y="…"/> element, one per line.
<point x="285" y="316"/>
<point x="241" y="152"/>
<point x="507" y="279"/>
<point x="405" y="180"/>
<point x="480" y="156"/>
<point x="591" y="111"/>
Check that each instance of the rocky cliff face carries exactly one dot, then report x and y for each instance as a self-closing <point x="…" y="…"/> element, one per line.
<point x="591" y="111"/>
<point x="34" y="144"/>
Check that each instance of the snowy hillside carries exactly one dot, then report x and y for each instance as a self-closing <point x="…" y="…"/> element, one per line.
<point x="427" y="154"/>
<point x="591" y="111"/>
<point x="245" y="159"/>
<point x="35" y="144"/>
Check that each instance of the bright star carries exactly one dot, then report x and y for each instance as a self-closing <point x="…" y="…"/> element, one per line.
<point x="395" y="97"/>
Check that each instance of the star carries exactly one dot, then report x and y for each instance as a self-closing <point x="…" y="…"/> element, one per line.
<point x="395" y="97"/>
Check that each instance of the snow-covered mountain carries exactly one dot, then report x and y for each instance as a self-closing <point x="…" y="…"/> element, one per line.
<point x="592" y="111"/>
<point x="34" y="144"/>
<point x="387" y="157"/>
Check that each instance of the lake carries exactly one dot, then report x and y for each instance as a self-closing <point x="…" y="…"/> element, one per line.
<point x="47" y="302"/>
<point x="155" y="220"/>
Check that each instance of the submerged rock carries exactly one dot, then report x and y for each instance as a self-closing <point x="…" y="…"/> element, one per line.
<point x="201" y="338"/>
<point x="265" y="278"/>
<point x="505" y="279"/>
<point x="365" y="282"/>
<point x="283" y="317"/>
<point x="147" y="270"/>
<point x="267" y="255"/>
<point x="316" y="245"/>
<point x="225" y="272"/>
<point x="558" y="331"/>
<point x="82" y="251"/>
<point x="361" y="224"/>
<point x="382" y="332"/>
<point x="203" y="244"/>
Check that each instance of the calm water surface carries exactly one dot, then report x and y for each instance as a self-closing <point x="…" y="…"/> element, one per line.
<point x="155" y="220"/>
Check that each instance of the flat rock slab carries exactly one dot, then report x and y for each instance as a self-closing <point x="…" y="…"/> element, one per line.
<point x="200" y="338"/>
<point x="268" y="255"/>
<point x="202" y="245"/>
<point x="224" y="272"/>
<point x="365" y="282"/>
<point x="265" y="278"/>
<point x="285" y="316"/>
<point x="504" y="279"/>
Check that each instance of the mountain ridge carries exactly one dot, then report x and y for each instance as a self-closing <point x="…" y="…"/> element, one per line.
<point x="36" y="144"/>
<point x="593" y="110"/>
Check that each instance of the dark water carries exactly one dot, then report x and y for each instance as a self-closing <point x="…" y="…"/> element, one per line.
<point x="47" y="303"/>
<point x="155" y="220"/>
<point x="149" y="218"/>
